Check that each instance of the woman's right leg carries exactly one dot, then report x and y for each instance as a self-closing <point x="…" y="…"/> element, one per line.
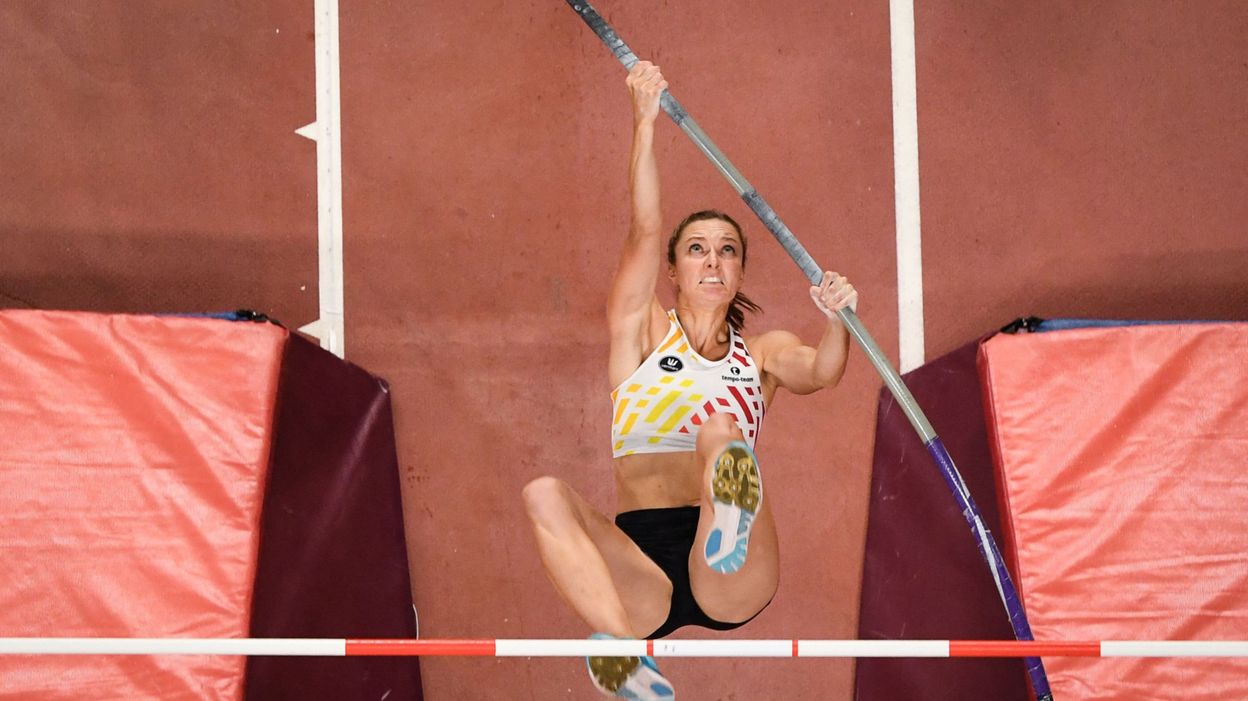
<point x="595" y="567"/>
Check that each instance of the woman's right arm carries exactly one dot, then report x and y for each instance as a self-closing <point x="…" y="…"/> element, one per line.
<point x="632" y="307"/>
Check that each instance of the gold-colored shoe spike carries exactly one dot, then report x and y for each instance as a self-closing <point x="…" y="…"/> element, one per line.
<point x="612" y="672"/>
<point x="736" y="479"/>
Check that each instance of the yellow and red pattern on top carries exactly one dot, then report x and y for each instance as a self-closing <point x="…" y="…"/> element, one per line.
<point x="659" y="408"/>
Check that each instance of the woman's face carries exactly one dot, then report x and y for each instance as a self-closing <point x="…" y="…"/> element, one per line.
<point x="708" y="262"/>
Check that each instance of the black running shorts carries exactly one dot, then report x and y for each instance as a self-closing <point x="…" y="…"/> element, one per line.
<point x="666" y="536"/>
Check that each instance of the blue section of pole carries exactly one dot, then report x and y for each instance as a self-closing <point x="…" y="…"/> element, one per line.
<point x="996" y="564"/>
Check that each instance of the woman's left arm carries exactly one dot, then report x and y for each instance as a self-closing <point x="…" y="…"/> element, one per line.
<point x="800" y="368"/>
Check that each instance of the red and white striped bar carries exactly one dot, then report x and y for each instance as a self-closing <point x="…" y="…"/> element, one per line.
<point x="291" y="647"/>
<point x="344" y="647"/>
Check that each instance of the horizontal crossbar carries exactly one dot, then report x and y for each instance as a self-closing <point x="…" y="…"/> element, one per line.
<point x="346" y="647"/>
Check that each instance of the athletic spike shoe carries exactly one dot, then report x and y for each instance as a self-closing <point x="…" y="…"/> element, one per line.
<point x="636" y="678"/>
<point x="737" y="495"/>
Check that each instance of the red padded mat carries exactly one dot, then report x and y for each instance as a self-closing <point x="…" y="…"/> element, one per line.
<point x="132" y="471"/>
<point x="1122" y="466"/>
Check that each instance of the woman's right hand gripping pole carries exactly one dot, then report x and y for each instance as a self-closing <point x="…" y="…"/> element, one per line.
<point x="646" y="83"/>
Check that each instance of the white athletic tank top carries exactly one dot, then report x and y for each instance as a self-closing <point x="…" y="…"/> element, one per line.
<point x="659" y="408"/>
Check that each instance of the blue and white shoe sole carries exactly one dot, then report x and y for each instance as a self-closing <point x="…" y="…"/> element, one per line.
<point x="636" y="678"/>
<point x="737" y="496"/>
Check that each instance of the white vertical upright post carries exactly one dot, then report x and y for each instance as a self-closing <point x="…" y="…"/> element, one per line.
<point x="906" y="186"/>
<point x="326" y="131"/>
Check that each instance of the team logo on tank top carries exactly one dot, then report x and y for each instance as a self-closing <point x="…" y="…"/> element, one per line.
<point x="670" y="363"/>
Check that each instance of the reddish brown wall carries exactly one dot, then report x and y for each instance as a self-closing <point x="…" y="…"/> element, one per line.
<point x="1082" y="159"/>
<point x="1076" y="160"/>
<point x="148" y="160"/>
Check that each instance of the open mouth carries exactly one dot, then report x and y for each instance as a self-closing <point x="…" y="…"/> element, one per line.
<point x="710" y="281"/>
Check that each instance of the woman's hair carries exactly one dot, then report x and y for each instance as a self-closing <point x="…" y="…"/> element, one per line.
<point x="740" y="303"/>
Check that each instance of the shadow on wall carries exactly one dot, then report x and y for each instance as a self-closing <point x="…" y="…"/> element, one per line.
<point x="1205" y="285"/>
<point x="160" y="271"/>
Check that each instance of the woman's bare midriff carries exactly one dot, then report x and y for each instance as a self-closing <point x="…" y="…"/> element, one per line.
<point x="658" y="480"/>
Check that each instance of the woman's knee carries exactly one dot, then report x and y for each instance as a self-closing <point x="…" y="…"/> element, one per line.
<point x="718" y="429"/>
<point x="544" y="498"/>
<point x="548" y="502"/>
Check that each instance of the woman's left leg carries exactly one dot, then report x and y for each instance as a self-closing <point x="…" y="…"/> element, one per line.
<point x="738" y="595"/>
